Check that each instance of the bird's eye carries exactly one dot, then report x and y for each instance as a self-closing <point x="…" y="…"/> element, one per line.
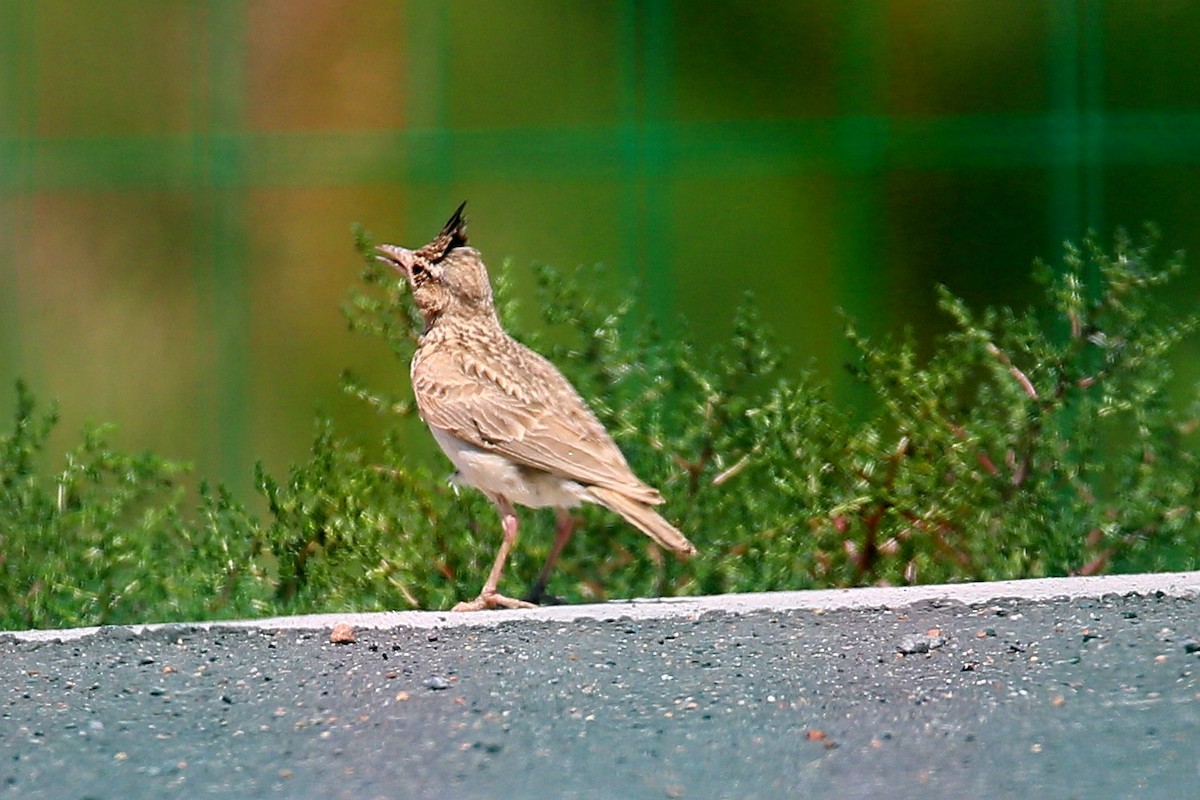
<point x="418" y="269"/>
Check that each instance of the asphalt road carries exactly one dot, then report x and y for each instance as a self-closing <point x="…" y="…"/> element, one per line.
<point x="1077" y="689"/>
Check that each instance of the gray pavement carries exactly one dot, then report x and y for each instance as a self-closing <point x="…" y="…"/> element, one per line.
<point x="1082" y="687"/>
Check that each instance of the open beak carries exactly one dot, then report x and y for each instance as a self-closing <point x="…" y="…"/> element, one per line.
<point x="396" y="257"/>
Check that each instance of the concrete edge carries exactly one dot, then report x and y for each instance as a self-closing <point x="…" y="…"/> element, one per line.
<point x="1174" y="584"/>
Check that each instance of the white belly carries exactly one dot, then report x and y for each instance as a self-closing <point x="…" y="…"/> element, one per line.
<point x="495" y="475"/>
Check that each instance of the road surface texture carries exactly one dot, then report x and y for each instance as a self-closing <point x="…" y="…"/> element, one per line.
<point x="1061" y="688"/>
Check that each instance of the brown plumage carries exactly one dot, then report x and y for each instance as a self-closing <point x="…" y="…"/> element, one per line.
<point x="511" y="423"/>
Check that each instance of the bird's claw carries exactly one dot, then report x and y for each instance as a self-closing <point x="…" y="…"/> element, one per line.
<point x="491" y="600"/>
<point x="540" y="597"/>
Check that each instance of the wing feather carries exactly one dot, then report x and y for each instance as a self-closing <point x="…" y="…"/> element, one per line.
<point x="521" y="407"/>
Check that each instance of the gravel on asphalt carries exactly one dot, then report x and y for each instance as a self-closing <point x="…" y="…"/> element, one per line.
<point x="1004" y="698"/>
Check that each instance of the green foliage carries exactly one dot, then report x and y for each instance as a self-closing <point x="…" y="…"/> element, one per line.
<point x="1023" y="449"/>
<point x="81" y="544"/>
<point x="1041" y="443"/>
<point x="1038" y="443"/>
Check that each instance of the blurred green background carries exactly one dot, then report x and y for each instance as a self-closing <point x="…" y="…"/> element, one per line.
<point x="178" y="179"/>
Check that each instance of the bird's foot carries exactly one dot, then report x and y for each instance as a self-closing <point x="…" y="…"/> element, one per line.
<point x="491" y="600"/>
<point x="540" y="597"/>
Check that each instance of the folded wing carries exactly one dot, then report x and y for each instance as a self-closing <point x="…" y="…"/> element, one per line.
<point x="541" y="423"/>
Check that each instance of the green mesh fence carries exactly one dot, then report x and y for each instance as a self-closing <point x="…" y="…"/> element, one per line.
<point x="631" y="120"/>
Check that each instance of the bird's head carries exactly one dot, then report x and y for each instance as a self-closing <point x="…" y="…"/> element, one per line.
<point x="446" y="276"/>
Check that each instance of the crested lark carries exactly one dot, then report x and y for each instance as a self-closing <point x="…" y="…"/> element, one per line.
<point x="511" y="423"/>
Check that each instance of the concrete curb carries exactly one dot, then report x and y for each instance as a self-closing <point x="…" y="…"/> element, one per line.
<point x="1174" y="584"/>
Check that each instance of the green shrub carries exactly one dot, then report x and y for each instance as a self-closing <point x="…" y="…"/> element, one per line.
<point x="1039" y="443"/>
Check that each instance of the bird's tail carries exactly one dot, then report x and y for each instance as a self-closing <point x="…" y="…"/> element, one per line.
<point x="645" y="519"/>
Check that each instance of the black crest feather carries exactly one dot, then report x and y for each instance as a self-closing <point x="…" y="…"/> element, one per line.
<point x="455" y="229"/>
<point x="452" y="235"/>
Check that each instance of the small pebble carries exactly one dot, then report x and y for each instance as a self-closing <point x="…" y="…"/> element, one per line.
<point x="436" y="683"/>
<point x="918" y="643"/>
<point x="342" y="634"/>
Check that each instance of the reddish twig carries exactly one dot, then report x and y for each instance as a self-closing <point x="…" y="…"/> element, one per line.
<point x="1021" y="377"/>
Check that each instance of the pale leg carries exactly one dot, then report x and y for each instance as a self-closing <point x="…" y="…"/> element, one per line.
<point x="489" y="597"/>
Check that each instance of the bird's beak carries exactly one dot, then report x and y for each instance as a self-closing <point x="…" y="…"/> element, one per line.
<point x="396" y="257"/>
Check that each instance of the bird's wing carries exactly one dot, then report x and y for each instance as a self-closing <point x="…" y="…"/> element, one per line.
<point x="525" y="410"/>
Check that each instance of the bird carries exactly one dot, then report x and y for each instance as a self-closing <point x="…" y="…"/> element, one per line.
<point x="514" y="428"/>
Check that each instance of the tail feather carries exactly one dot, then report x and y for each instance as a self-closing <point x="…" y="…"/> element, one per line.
<point x="645" y="519"/>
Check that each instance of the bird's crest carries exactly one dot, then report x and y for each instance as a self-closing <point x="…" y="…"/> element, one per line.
<point x="453" y="234"/>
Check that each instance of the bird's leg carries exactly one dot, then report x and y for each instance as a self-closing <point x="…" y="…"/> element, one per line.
<point x="489" y="597"/>
<point x="564" y="526"/>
